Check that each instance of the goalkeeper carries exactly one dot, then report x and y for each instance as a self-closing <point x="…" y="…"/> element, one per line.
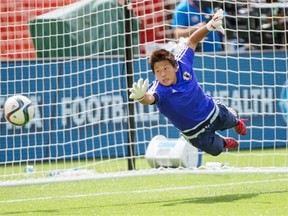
<point x="178" y="96"/>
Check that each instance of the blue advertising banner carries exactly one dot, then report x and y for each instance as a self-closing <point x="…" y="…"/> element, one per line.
<point x="81" y="105"/>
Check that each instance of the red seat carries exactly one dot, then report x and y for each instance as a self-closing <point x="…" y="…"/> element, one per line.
<point x="15" y="41"/>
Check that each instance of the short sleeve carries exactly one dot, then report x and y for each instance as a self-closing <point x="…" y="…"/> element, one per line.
<point x="185" y="55"/>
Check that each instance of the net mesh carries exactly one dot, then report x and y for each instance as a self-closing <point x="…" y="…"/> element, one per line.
<point x="70" y="58"/>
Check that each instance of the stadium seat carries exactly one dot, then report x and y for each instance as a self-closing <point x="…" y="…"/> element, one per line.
<point x="15" y="41"/>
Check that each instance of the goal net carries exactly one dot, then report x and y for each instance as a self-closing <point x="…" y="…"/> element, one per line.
<point x="76" y="60"/>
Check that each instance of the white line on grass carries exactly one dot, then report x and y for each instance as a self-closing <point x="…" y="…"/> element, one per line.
<point x="144" y="191"/>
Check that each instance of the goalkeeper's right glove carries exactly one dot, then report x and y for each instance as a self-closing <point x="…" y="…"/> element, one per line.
<point x="216" y="22"/>
<point x="139" y="89"/>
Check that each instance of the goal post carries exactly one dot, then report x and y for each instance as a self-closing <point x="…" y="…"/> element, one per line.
<point x="69" y="59"/>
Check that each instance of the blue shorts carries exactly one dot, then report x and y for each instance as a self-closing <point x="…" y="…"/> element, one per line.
<point x="207" y="140"/>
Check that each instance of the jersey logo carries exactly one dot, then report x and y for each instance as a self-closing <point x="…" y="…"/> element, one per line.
<point x="174" y="91"/>
<point x="186" y="76"/>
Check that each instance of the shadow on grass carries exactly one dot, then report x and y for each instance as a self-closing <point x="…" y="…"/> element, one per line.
<point x="229" y="198"/>
<point x="217" y="199"/>
<point x="212" y="200"/>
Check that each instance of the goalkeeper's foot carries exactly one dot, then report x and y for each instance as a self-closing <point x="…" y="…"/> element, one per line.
<point x="241" y="128"/>
<point x="230" y="143"/>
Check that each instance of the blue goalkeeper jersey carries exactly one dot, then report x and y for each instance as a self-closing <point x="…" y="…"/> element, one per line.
<point x="184" y="103"/>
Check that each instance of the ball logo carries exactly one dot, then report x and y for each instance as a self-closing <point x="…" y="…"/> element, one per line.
<point x="284" y="101"/>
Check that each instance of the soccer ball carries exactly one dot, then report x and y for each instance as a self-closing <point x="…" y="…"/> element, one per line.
<point x="18" y="110"/>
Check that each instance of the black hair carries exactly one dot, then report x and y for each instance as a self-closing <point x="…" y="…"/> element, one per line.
<point x="162" y="55"/>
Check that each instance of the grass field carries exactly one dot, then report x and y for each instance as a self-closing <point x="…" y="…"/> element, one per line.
<point x="163" y="194"/>
<point x="179" y="194"/>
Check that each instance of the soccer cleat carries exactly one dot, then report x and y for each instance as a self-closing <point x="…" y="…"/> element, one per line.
<point x="240" y="128"/>
<point x="230" y="143"/>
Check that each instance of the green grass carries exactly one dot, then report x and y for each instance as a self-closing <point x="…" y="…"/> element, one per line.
<point x="184" y="194"/>
<point x="259" y="159"/>
<point x="162" y="194"/>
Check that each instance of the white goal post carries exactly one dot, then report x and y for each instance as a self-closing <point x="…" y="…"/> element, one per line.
<point x="76" y="59"/>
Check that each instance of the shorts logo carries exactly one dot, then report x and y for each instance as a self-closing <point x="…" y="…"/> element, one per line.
<point x="284" y="101"/>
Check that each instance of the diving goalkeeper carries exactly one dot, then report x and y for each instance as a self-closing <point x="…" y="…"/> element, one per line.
<point x="178" y="96"/>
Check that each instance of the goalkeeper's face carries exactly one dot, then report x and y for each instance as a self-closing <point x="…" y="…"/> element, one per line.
<point x="165" y="72"/>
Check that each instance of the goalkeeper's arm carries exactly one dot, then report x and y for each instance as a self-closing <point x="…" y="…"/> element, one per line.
<point x="214" y="24"/>
<point x="139" y="92"/>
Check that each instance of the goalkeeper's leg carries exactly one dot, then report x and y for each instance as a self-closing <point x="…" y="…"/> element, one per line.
<point x="229" y="118"/>
<point x="212" y="143"/>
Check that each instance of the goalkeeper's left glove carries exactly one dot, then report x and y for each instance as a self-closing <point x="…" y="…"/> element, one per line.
<point x="216" y="22"/>
<point x="139" y="89"/>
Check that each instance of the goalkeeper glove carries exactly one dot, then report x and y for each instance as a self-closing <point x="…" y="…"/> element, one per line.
<point x="216" y="22"/>
<point x="139" y="89"/>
